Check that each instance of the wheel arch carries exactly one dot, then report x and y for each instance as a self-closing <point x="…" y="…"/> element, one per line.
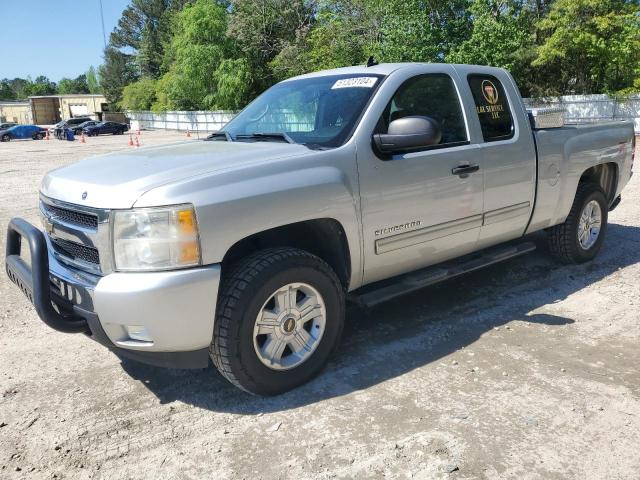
<point x="605" y="175"/>
<point x="323" y="237"/>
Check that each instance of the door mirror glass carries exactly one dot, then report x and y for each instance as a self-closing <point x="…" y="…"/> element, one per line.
<point x="409" y="133"/>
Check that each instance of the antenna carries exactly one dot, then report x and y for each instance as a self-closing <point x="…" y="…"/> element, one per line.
<point x="104" y="35"/>
<point x="371" y="62"/>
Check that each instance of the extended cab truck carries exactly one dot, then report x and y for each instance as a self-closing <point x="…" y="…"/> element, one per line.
<point x="361" y="183"/>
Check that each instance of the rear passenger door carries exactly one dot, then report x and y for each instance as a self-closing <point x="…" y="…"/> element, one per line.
<point x="508" y="157"/>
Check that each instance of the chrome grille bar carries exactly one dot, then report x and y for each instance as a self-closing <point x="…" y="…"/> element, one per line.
<point x="78" y="236"/>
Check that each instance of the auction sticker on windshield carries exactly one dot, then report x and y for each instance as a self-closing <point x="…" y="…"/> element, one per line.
<point x="363" y="82"/>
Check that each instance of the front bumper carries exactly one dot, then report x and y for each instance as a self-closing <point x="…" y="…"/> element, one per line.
<point x="175" y="309"/>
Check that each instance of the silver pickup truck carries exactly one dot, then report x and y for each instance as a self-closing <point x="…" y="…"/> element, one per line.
<point x="359" y="184"/>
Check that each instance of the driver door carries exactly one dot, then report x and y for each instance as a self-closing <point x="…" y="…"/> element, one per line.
<point x="416" y="211"/>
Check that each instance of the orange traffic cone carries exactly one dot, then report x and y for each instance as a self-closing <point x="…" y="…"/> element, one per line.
<point x="82" y="139"/>
<point x="137" y="142"/>
<point x="188" y="133"/>
<point x="130" y="140"/>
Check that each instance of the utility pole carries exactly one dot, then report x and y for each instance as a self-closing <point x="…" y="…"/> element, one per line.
<point x="104" y="35"/>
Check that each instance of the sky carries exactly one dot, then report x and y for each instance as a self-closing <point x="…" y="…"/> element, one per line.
<point x="60" y="38"/>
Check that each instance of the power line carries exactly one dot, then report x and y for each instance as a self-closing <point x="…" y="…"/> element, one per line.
<point x="104" y="35"/>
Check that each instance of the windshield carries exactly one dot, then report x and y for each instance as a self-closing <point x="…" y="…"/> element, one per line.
<point x="317" y="111"/>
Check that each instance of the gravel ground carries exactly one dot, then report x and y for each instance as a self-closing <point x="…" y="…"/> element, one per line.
<point x="527" y="370"/>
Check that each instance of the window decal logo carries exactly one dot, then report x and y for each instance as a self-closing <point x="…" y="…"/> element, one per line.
<point x="490" y="92"/>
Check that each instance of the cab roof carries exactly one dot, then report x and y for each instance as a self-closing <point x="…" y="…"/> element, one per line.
<point x="388" y="68"/>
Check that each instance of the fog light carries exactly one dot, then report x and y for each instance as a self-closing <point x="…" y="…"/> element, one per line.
<point x="138" y="332"/>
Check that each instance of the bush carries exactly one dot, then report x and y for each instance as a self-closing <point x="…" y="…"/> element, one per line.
<point x="139" y="95"/>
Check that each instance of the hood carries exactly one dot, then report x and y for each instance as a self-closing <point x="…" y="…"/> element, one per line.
<point x="117" y="180"/>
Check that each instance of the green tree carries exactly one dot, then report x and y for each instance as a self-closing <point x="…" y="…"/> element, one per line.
<point x="501" y="36"/>
<point x="6" y="90"/>
<point x="347" y="32"/>
<point x="204" y="67"/>
<point x="139" y="95"/>
<point x="593" y="45"/>
<point x="93" y="80"/>
<point x="422" y="30"/>
<point x="21" y="87"/>
<point x="66" y="85"/>
<point x="344" y="33"/>
<point x="263" y="28"/>
<point x="116" y="72"/>
<point x="77" y="85"/>
<point x="40" y="86"/>
<point x="144" y="29"/>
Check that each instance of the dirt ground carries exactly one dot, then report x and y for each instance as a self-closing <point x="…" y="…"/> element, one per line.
<point x="525" y="370"/>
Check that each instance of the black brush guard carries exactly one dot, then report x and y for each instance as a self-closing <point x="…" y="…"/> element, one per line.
<point x="34" y="280"/>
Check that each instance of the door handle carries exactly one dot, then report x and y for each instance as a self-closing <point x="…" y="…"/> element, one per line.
<point x="465" y="169"/>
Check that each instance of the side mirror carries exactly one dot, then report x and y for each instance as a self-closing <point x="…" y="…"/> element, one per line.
<point x="407" y="134"/>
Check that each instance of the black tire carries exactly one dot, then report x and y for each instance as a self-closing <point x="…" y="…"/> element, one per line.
<point x="563" y="239"/>
<point x="243" y="293"/>
<point x="6" y="138"/>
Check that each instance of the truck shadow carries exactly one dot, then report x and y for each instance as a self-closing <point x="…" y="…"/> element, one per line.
<point x="415" y="330"/>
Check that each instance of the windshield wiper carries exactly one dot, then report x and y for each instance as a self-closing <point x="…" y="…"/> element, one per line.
<point x="220" y="136"/>
<point x="266" y="136"/>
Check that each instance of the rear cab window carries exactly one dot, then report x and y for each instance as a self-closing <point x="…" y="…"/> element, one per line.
<point x="492" y="107"/>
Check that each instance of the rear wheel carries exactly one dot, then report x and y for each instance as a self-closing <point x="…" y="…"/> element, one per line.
<point x="580" y="237"/>
<point x="280" y="316"/>
<point x="6" y="137"/>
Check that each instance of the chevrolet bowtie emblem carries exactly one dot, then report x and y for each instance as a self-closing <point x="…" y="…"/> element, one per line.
<point x="48" y="226"/>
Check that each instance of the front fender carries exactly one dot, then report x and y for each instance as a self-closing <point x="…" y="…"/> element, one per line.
<point x="233" y="205"/>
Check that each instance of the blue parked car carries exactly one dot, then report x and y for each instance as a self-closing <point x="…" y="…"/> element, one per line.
<point x="19" y="132"/>
<point x="102" y="128"/>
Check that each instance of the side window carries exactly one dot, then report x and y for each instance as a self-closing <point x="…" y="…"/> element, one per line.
<point x="432" y="95"/>
<point x="492" y="107"/>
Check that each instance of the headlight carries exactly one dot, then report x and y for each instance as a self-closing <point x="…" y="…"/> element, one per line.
<point x="156" y="238"/>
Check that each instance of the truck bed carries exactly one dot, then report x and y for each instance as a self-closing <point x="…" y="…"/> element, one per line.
<point x="565" y="153"/>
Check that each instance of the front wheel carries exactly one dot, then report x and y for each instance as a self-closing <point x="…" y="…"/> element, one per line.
<point x="580" y="237"/>
<point x="6" y="138"/>
<point x="280" y="316"/>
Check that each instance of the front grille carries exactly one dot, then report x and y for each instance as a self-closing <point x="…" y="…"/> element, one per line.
<point x="72" y="217"/>
<point x="76" y="251"/>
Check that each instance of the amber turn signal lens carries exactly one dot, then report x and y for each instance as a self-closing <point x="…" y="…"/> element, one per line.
<point x="187" y="222"/>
